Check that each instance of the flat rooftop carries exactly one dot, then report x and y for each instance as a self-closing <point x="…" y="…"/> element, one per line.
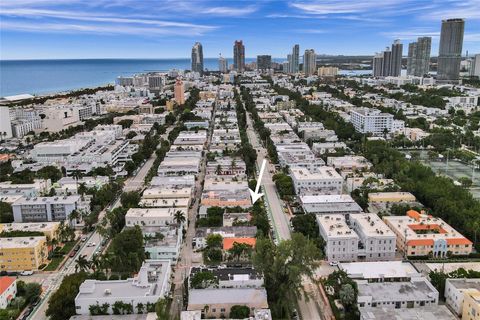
<point x="148" y="283"/>
<point x="158" y="192"/>
<point x="380" y="269"/>
<point x="153" y="212"/>
<point x="438" y="312"/>
<point x="47" y="200"/>
<point x="20" y="242"/>
<point x="242" y="296"/>
<point x="465" y="283"/>
<point x="29" y="226"/>
<point x="371" y="225"/>
<point x="320" y="173"/>
<point x="452" y="266"/>
<point x="335" y="226"/>
<point x="165" y="203"/>
<point x="416" y="290"/>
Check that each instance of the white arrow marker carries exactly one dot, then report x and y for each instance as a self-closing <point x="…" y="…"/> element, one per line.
<point x="254" y="194"/>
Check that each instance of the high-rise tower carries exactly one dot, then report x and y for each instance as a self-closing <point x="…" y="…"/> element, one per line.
<point x="450" y="49"/>
<point x="396" y="59"/>
<point x="239" y="56"/>
<point x="294" y="65"/>
<point x="197" y="57"/>
<point x="418" y="63"/>
<point x="309" y="62"/>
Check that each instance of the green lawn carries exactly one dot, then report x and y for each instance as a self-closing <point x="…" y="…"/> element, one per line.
<point x="59" y="256"/>
<point x="53" y="265"/>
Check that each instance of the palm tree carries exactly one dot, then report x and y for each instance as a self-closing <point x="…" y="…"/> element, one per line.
<point x="95" y="263"/>
<point x="218" y="170"/>
<point x="179" y="217"/>
<point x="82" y="189"/>
<point x="82" y="263"/>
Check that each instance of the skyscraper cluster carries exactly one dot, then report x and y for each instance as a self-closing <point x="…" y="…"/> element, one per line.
<point x="239" y="56"/>
<point x="450" y="50"/>
<point x="418" y="62"/>
<point x="197" y="57"/>
<point x="388" y="62"/>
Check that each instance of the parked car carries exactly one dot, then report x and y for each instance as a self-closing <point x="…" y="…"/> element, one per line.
<point x="333" y="263"/>
<point x="26" y="273"/>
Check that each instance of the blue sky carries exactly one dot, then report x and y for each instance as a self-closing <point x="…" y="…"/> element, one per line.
<point x="41" y="29"/>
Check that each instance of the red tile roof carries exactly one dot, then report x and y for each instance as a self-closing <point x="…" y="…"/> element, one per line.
<point x="5" y="283"/>
<point x="228" y="242"/>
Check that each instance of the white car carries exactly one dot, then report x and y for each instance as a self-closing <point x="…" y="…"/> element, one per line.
<point x="26" y="273"/>
<point x="333" y="263"/>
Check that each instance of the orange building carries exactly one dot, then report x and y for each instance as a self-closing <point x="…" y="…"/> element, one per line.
<point x="179" y="91"/>
<point x="419" y="234"/>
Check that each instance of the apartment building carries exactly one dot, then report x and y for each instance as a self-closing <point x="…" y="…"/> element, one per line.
<point x="419" y="234"/>
<point x="232" y="277"/>
<point x="416" y="293"/>
<point x="8" y="290"/>
<point x="166" y="246"/>
<point x="455" y="290"/>
<point x="38" y="187"/>
<point x="237" y="232"/>
<point x="471" y="305"/>
<point x="226" y="166"/>
<point x="330" y="204"/>
<point x="191" y="138"/>
<point x="341" y="241"/>
<point x="23" y="253"/>
<point x="324" y="180"/>
<point x="42" y="209"/>
<point x="152" y="217"/>
<point x="366" y="120"/>
<point x="376" y="240"/>
<point x="380" y="271"/>
<point x="391" y="197"/>
<point x="49" y="229"/>
<point x="349" y="163"/>
<point x="217" y="303"/>
<point x="151" y="283"/>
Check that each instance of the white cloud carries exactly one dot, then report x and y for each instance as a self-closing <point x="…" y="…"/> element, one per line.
<point x="98" y="29"/>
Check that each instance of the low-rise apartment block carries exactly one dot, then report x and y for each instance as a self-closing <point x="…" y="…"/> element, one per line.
<point x="330" y="204"/>
<point x="23" y="253"/>
<point x="8" y="290"/>
<point x="49" y="229"/>
<point x="419" y="234"/>
<point x="418" y="292"/>
<point x="151" y="284"/>
<point x="43" y="209"/>
<point x="217" y="303"/>
<point x="341" y="241"/>
<point x="376" y="240"/>
<point x="455" y="293"/>
<point x="471" y="305"/>
<point x="324" y="180"/>
<point x="152" y="217"/>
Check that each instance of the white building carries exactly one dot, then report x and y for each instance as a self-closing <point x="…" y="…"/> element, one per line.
<point x="418" y="292"/>
<point x="38" y="187"/>
<point x="454" y="292"/>
<point x="152" y="217"/>
<point x="42" y="209"/>
<point x="151" y="284"/>
<point x="324" y="180"/>
<point x="5" y="123"/>
<point x="376" y="240"/>
<point x="8" y="290"/>
<point x="373" y="121"/>
<point x="341" y="243"/>
<point x="330" y="204"/>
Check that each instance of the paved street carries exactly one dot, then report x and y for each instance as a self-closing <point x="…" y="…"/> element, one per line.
<point x="274" y="203"/>
<point x="314" y="308"/>
<point x="187" y="256"/>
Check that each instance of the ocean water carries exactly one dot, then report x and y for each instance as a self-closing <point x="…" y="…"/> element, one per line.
<point x="50" y="76"/>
